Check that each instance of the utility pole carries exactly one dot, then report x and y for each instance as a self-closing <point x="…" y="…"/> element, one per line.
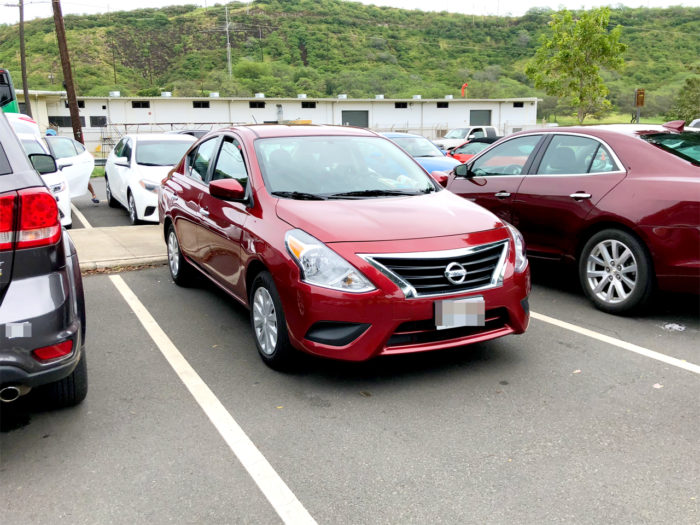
<point x="228" y="46"/>
<point x="67" y="73"/>
<point x="23" y="60"/>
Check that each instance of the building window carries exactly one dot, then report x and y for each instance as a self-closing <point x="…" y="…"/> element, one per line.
<point x="256" y="104"/>
<point x="400" y="105"/>
<point x="81" y="104"/>
<point x="63" y="122"/>
<point x="201" y="104"/>
<point x="443" y="105"/>
<point x="518" y="104"/>
<point x="308" y="105"/>
<point x="142" y="104"/>
<point x="98" y="122"/>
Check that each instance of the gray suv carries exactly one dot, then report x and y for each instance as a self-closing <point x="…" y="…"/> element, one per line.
<point x="42" y="306"/>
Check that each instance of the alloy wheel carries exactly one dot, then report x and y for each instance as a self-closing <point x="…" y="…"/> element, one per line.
<point x="611" y="271"/>
<point x="173" y="254"/>
<point x="265" y="321"/>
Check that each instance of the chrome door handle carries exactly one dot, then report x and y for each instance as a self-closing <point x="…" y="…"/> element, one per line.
<point x="580" y="195"/>
<point x="502" y="194"/>
<point x="204" y="212"/>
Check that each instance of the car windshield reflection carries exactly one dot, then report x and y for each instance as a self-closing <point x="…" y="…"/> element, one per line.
<point x="339" y="167"/>
<point x="151" y="153"/>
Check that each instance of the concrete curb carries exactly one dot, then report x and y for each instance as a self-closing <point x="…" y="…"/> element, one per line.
<point x="119" y="263"/>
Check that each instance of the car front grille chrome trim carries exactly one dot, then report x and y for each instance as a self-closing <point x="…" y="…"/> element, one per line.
<point x="426" y="274"/>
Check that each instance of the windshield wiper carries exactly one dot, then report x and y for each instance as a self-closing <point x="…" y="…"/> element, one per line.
<point x="376" y="193"/>
<point x="299" y="195"/>
<point x="150" y="164"/>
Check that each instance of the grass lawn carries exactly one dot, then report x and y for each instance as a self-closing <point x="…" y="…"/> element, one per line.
<point x="99" y="171"/>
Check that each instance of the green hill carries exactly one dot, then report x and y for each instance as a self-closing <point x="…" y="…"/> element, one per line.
<point x="326" y="47"/>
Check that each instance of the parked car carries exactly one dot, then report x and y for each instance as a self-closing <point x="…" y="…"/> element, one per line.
<point x="622" y="201"/>
<point x="135" y="168"/>
<point x="22" y="123"/>
<point x="427" y="154"/>
<point x="333" y="257"/>
<point x="695" y="124"/>
<point x="196" y="133"/>
<point x="466" y="151"/>
<point x="42" y="307"/>
<point x="76" y="162"/>
<point x="55" y="180"/>
<point x="459" y="136"/>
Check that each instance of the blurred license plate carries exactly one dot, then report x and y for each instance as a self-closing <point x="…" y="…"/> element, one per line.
<point x="453" y="313"/>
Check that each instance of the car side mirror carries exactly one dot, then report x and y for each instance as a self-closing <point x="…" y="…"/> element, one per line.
<point x="121" y="161"/>
<point x="440" y="177"/>
<point x="43" y="163"/>
<point x="463" y="171"/>
<point x="227" y="189"/>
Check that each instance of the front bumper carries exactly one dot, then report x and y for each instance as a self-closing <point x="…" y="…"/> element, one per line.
<point x="356" y="327"/>
<point x="146" y="204"/>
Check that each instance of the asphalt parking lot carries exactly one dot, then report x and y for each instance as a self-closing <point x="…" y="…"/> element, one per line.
<point x="594" y="421"/>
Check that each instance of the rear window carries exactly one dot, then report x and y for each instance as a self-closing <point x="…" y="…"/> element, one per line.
<point x="684" y="145"/>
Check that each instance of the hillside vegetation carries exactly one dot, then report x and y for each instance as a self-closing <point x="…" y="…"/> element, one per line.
<point x="326" y="47"/>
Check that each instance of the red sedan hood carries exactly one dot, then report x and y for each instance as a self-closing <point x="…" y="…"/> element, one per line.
<point x="392" y="218"/>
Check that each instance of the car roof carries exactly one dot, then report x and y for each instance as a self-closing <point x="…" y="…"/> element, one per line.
<point x="164" y="137"/>
<point x="301" y="130"/>
<point x="397" y="134"/>
<point x="605" y="130"/>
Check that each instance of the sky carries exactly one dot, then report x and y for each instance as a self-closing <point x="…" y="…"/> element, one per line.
<point x="42" y="8"/>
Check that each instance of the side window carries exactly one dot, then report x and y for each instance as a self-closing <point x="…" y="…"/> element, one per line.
<point x="198" y="161"/>
<point x="119" y="147"/>
<point x="508" y="158"/>
<point x="602" y="161"/>
<point x="61" y="147"/>
<point x="477" y="133"/>
<point x="569" y="155"/>
<point x="230" y="164"/>
<point x="78" y="146"/>
<point x="126" y="150"/>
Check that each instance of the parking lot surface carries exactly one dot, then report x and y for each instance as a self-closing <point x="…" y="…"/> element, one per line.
<point x="551" y="426"/>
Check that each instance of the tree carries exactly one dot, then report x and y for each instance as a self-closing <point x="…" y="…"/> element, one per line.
<point x="568" y="61"/>
<point x="687" y="105"/>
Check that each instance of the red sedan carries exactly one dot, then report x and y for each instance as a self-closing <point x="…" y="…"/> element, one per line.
<point x="622" y="201"/>
<point x="469" y="149"/>
<point x="331" y="255"/>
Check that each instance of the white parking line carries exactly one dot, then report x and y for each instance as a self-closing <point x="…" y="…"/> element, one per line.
<point x="618" y="342"/>
<point x="80" y="216"/>
<point x="285" y="503"/>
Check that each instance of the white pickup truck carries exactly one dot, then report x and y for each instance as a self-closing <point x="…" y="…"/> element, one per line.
<point x="459" y="136"/>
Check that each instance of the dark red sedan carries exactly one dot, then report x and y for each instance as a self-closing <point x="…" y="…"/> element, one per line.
<point x="622" y="201"/>
<point x="334" y="255"/>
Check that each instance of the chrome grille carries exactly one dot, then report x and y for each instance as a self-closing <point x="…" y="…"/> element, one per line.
<point x="425" y="273"/>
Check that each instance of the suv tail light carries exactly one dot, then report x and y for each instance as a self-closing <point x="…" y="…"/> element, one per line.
<point x="38" y="223"/>
<point x="7" y="221"/>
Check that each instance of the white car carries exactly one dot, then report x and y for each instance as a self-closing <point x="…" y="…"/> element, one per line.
<point x="135" y="168"/>
<point x="56" y="181"/>
<point x="72" y="158"/>
<point x="74" y="161"/>
<point x="459" y="136"/>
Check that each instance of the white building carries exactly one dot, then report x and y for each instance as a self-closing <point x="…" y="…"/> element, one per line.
<point x="105" y="119"/>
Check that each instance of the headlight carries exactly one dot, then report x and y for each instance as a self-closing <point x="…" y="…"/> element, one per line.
<point x="322" y="266"/>
<point x="58" y="188"/>
<point x="520" y="257"/>
<point x="149" y="186"/>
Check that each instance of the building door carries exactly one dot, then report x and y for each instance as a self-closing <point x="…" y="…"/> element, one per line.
<point x="355" y="118"/>
<point x="480" y="117"/>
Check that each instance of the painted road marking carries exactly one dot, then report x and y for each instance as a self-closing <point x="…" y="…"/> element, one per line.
<point x="282" y="499"/>
<point x="618" y="342"/>
<point x="80" y="216"/>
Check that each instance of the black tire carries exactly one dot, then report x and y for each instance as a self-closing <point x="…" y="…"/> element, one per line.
<point x="181" y="271"/>
<point x="131" y="208"/>
<point x="67" y="392"/>
<point x="111" y="201"/>
<point x="267" y="318"/>
<point x="615" y="271"/>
